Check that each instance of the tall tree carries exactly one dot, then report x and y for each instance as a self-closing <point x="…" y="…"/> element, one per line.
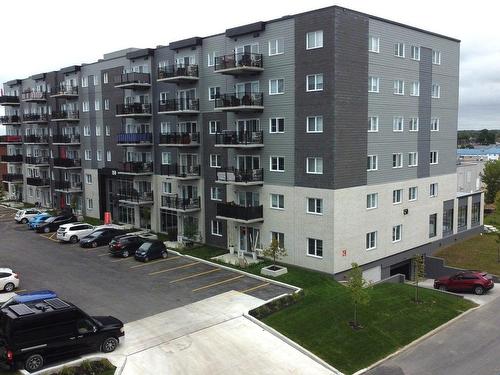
<point x="486" y="137"/>
<point x="491" y="178"/>
<point x="358" y="290"/>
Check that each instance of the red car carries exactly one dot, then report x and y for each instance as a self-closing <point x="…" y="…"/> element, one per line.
<point x="466" y="281"/>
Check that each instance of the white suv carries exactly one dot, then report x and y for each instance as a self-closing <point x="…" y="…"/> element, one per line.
<point x="74" y="232"/>
<point x="8" y="279"/>
<point x="23" y="216"/>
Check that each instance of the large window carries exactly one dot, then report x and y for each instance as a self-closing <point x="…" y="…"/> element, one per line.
<point x="314" y="39"/>
<point x="215" y="161"/>
<point x="213" y="127"/>
<point x="315" y="206"/>
<point x="315" y="247"/>
<point x="432" y="225"/>
<point x="216" y="193"/>
<point x="448" y="221"/>
<point x="413" y="124"/>
<point x="462" y="217"/>
<point x="476" y="213"/>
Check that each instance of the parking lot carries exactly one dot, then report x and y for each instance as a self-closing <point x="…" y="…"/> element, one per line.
<point x="123" y="287"/>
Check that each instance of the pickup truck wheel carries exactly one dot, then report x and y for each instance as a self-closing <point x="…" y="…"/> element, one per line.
<point x="442" y="287"/>
<point x="478" y="289"/>
<point x="24" y="221"/>
<point x="73" y="239"/>
<point x="109" y="345"/>
<point x="33" y="363"/>
<point x="9" y="287"/>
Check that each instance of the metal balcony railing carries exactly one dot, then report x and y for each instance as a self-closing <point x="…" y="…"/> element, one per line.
<point x="34" y="96"/>
<point x="179" y="138"/>
<point x="37" y="181"/>
<point x="9" y="100"/>
<point x="135" y="196"/>
<point x="238" y="60"/>
<point x="64" y="90"/>
<point x="179" y="203"/>
<point x="35" y="117"/>
<point x="235" y="211"/>
<point x="11" y="139"/>
<point x="14" y="119"/>
<point x="252" y="99"/>
<point x="231" y="175"/>
<point x="134" y="138"/>
<point x="36" y="139"/>
<point x="180" y="170"/>
<point x="132" y="78"/>
<point x="239" y="138"/>
<point x="64" y="138"/>
<point x="173" y="71"/>
<point x="35" y="160"/>
<point x="133" y="109"/>
<point x="12" y="158"/>
<point x="12" y="177"/>
<point x="67" y="163"/>
<point x="179" y="105"/>
<point x="67" y="185"/>
<point x="136" y="167"/>
<point x="65" y="116"/>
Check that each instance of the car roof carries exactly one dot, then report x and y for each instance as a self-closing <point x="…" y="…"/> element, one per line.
<point x="6" y="270"/>
<point x="69" y="225"/>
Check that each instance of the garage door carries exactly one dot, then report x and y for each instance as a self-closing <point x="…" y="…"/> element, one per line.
<point x="373" y="274"/>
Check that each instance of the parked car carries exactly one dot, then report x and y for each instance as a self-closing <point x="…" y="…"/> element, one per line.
<point x="467" y="281"/>
<point x="35" y="333"/>
<point x="38" y="220"/>
<point x="127" y="244"/>
<point x="53" y="223"/>
<point x="35" y="296"/>
<point x="101" y="236"/>
<point x="150" y="250"/>
<point x="9" y="280"/>
<point x="23" y="216"/>
<point x="73" y="232"/>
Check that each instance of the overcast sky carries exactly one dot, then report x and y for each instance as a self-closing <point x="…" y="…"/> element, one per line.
<point x="45" y="35"/>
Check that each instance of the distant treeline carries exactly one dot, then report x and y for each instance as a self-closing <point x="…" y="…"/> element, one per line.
<point x="469" y="138"/>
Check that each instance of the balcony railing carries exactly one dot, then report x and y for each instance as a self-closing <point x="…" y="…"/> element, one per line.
<point x="239" y="63"/>
<point x="136" y="167"/>
<point x="133" y="109"/>
<point x="6" y="120"/>
<point x="65" y="116"/>
<point x="37" y="181"/>
<point x="36" y="160"/>
<point x="67" y="163"/>
<point x="178" y="73"/>
<point x="68" y="185"/>
<point x="35" y="117"/>
<point x="63" y="138"/>
<point x="12" y="158"/>
<point x="34" y="96"/>
<point x="179" y="106"/>
<point x="11" y="139"/>
<point x="181" y="204"/>
<point x="36" y="139"/>
<point x="135" y="196"/>
<point x="64" y="91"/>
<point x="135" y="138"/>
<point x="240" y="176"/>
<point x="12" y="177"/>
<point x="234" y="211"/>
<point x="240" y="138"/>
<point x="181" y="139"/>
<point x="9" y="100"/>
<point x="253" y="101"/>
<point x="133" y="80"/>
<point x="181" y="171"/>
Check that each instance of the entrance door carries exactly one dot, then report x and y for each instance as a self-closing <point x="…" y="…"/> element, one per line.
<point x="185" y="97"/>
<point x="249" y="238"/>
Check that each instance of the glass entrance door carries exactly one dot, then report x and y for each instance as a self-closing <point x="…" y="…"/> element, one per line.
<point x="249" y="238"/>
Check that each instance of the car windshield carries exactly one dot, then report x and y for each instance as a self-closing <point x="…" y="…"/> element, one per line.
<point x="146" y="246"/>
<point x="50" y="220"/>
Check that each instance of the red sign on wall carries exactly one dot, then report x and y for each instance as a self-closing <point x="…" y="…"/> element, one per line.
<point x="344" y="252"/>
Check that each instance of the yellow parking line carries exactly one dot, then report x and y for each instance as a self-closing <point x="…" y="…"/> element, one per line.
<point x="196" y="275"/>
<point x="254" y="288"/>
<point x="173" y="268"/>
<point x="154" y="262"/>
<point x="21" y="290"/>
<point x="122" y="260"/>
<point x="218" y="283"/>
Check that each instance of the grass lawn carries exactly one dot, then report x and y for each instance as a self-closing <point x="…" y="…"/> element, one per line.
<point x="493" y="219"/>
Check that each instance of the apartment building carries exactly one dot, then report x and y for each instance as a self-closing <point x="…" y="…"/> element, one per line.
<point x="332" y="130"/>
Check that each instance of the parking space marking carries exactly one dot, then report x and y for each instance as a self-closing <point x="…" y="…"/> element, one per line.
<point x="218" y="283"/>
<point x="21" y="290"/>
<point x="254" y="288"/>
<point x="195" y="275"/>
<point x="102" y="255"/>
<point x="173" y="268"/>
<point x="154" y="262"/>
<point x="95" y="248"/>
<point x="121" y="260"/>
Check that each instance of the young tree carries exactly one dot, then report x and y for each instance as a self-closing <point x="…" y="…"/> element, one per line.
<point x="358" y="290"/>
<point x="274" y="251"/>
<point x="418" y="273"/>
<point x="491" y="178"/>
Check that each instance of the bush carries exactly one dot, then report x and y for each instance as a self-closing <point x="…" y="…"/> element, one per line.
<point x="88" y="368"/>
<point x="276" y="305"/>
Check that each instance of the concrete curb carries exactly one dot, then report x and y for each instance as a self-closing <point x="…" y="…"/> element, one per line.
<point x="120" y="369"/>
<point x="417" y="341"/>
<point x="293" y="344"/>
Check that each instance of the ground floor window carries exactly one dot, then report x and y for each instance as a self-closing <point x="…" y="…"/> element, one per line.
<point x="126" y="214"/>
<point x="315" y="247"/>
<point x="216" y="228"/>
<point x="280" y="237"/>
<point x="432" y="225"/>
<point x="462" y="217"/>
<point x="168" y="224"/>
<point x="447" y="221"/>
<point x="476" y="213"/>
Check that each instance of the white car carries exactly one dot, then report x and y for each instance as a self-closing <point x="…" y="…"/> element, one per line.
<point x="23" y="216"/>
<point x="73" y="232"/>
<point x="8" y="280"/>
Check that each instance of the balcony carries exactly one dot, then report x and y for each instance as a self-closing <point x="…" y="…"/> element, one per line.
<point x="41" y="161"/>
<point x="68" y="186"/>
<point x="62" y="139"/>
<point x="9" y="100"/>
<point x="135" y="139"/>
<point x="65" y="92"/>
<point x="180" y="139"/>
<point x="242" y="139"/>
<point x="36" y="139"/>
<point x="12" y="177"/>
<point x="181" y="172"/>
<point x="11" y="139"/>
<point x="244" y="177"/>
<point x="35" y="118"/>
<point x="37" y="181"/>
<point x="179" y="107"/>
<point x="251" y="102"/>
<point x="175" y="203"/>
<point x="239" y="64"/>
<point x="178" y="73"/>
<point x="136" y="167"/>
<point x="133" y="110"/>
<point x="34" y="96"/>
<point x="69" y="116"/>
<point x="241" y="214"/>
<point x="12" y="158"/>
<point x="67" y="163"/>
<point x="133" y="81"/>
<point x="135" y="197"/>
<point x="10" y="120"/>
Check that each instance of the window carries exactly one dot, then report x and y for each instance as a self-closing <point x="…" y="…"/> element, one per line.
<point x="96" y="80"/>
<point x="98" y="130"/>
<point x="276" y="47"/>
<point x="166" y="187"/>
<point x="85" y="81"/>
<point x="216" y="228"/>
<point x="278" y="201"/>
<point x="399" y="50"/>
<point x="371" y="240"/>
<point x="86" y="131"/>
<point x="314" y="165"/>
<point x="372" y="163"/>
<point x="433" y="190"/>
<point x="166" y="158"/>
<point x="399" y="87"/>
<point x="99" y="155"/>
<point x="108" y="155"/>
<point x="397" y="160"/>
<point x="314" y="82"/>
<point x="276" y="125"/>
<point x="214" y="127"/>
<point x="97" y="105"/>
<point x="415" y="88"/>
<point x="413" y="193"/>
<point x="213" y="93"/>
<point x="277" y="164"/>
<point x="107" y="130"/>
<point x="314" y="39"/>
<point x="434" y="157"/>
<point x="105" y="78"/>
<point x="106" y="104"/>
<point x="432" y="225"/>
<point x="448" y="221"/>
<point x="374" y="44"/>
<point x="413" y="124"/>
<point x="314" y="124"/>
<point x="88" y="179"/>
<point x="371" y="201"/>
<point x="280" y="237"/>
<point x="276" y="86"/>
<point x="476" y="213"/>
<point x="397" y="233"/>
<point x="462" y="217"/>
<point x="435" y="91"/>
<point x="315" y="206"/>
<point x="434" y="124"/>
<point x="88" y="155"/>
<point x="216" y="193"/>
<point x="211" y="58"/>
<point x="436" y="57"/>
<point x="215" y="161"/>
<point x="85" y="106"/>
<point x="397" y="124"/>
<point x="415" y="53"/>
<point x="373" y="84"/>
<point x="397" y="196"/>
<point x="90" y="204"/>
<point x="315" y="247"/>
<point x="412" y="159"/>
<point x="373" y="124"/>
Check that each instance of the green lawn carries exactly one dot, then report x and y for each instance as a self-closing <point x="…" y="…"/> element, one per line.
<point x="493" y="219"/>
